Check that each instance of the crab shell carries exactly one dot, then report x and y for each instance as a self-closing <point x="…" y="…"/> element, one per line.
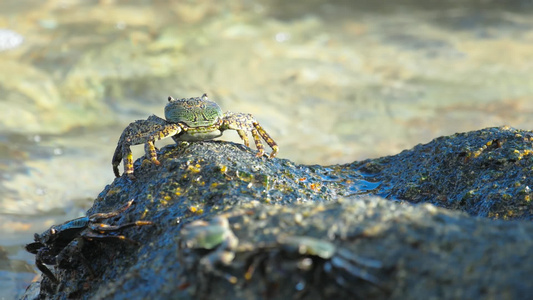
<point x="195" y="112"/>
<point x="66" y="231"/>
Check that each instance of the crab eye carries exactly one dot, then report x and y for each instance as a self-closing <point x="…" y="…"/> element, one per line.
<point x="53" y="231"/>
<point x="170" y="98"/>
<point x="204" y="97"/>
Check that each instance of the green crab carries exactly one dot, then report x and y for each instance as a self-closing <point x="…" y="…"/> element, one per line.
<point x="192" y="119"/>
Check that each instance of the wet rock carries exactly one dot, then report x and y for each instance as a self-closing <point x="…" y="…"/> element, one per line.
<point x="485" y="173"/>
<point x="230" y="225"/>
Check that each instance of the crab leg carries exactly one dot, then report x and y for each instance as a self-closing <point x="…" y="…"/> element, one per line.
<point x="103" y="228"/>
<point x="103" y="237"/>
<point x="246" y="122"/>
<point x="258" y="144"/>
<point x="149" y="149"/>
<point x="267" y="139"/>
<point x="46" y="271"/>
<point x="244" y="138"/>
<point x="117" y="158"/>
<point x="142" y="132"/>
<point x="98" y="217"/>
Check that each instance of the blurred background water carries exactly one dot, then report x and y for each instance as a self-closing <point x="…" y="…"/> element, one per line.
<point x="331" y="81"/>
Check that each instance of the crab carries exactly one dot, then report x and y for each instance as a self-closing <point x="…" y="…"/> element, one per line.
<point x="52" y="246"/>
<point x="217" y="237"/>
<point x="320" y="259"/>
<point x="192" y="119"/>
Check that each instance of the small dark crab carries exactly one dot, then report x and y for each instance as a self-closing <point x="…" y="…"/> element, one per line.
<point x="193" y="119"/>
<point x="53" y="245"/>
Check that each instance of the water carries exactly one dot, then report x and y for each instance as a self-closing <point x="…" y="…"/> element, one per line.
<point x="331" y="82"/>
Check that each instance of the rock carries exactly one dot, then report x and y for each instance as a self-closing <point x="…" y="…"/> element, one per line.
<point x="230" y="225"/>
<point x="485" y="173"/>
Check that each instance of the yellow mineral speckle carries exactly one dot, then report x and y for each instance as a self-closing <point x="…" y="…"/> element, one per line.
<point x="248" y="274"/>
<point x="315" y="186"/>
<point x="223" y="169"/>
<point x="196" y="210"/>
<point x="194" y="169"/>
<point x="522" y="153"/>
<point x="246" y="177"/>
<point x="179" y="191"/>
<point x="113" y="191"/>
<point x="232" y="279"/>
<point x="214" y="185"/>
<point x="167" y="198"/>
<point x="144" y="213"/>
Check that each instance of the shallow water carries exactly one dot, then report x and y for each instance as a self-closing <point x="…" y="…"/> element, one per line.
<point x="332" y="83"/>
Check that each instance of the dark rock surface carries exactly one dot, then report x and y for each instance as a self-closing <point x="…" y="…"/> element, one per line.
<point x="357" y="245"/>
<point x="487" y="173"/>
